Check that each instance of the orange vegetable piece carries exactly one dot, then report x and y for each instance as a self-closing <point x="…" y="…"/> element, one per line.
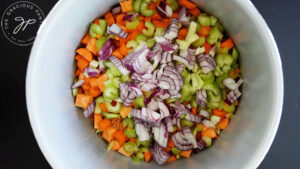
<point x="78" y="72"/>
<point x="223" y="124"/>
<point x="94" y="91"/>
<point x="123" y="50"/>
<point x="104" y="124"/>
<point x="108" y="133"/>
<point x="133" y="140"/>
<point x="209" y="132"/>
<point x="126" y="5"/>
<point x="120" y="137"/>
<point x="140" y="26"/>
<point x="85" y="39"/>
<point x="92" y="81"/>
<point x="171" y="143"/>
<point x="86" y="86"/>
<point x="220" y="113"/>
<point x="96" y="21"/>
<point x="236" y="71"/>
<point x="156" y="16"/>
<point x="103" y="107"/>
<point x="153" y="5"/>
<point x="100" y="81"/>
<point x="125" y="153"/>
<point x="186" y="154"/>
<point x="175" y="15"/>
<point x="97" y="119"/>
<point x="148" y="156"/>
<point x="82" y="63"/>
<point x="195" y="11"/>
<point x="147" y="19"/>
<point x="85" y="53"/>
<point x="116" y="145"/>
<point x="207" y="47"/>
<point x="119" y="19"/>
<point x="227" y="44"/>
<point x="161" y="24"/>
<point x="109" y="18"/>
<point x="204" y="31"/>
<point x="194" y="110"/>
<point x="125" y="111"/>
<point x="168" y="149"/>
<point x="83" y="100"/>
<point x="118" y="54"/>
<point x="182" y="33"/>
<point x="172" y="158"/>
<point x="91" y="46"/>
<point x="188" y="4"/>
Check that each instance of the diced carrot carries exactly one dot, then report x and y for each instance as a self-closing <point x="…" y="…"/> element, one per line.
<point x="204" y="31"/>
<point x="82" y="63"/>
<point x="220" y="113"/>
<point x="91" y="46"/>
<point x="81" y="77"/>
<point x="194" y="110"/>
<point x="195" y="11"/>
<point x="203" y="127"/>
<point x="83" y="100"/>
<point x="227" y="44"/>
<point x="78" y="72"/>
<point x="140" y="26"/>
<point x="96" y="21"/>
<point x="172" y="158"/>
<point x="126" y="5"/>
<point x="228" y="115"/>
<point x="133" y="140"/>
<point x="118" y="54"/>
<point x="147" y="156"/>
<point x="103" y="107"/>
<point x="161" y="24"/>
<point x="92" y="81"/>
<point x="207" y="47"/>
<point x="182" y="33"/>
<point x="94" y="91"/>
<point x="125" y="153"/>
<point x="120" y="137"/>
<point x="120" y="19"/>
<point x="85" y="39"/>
<point x="168" y="149"/>
<point x="117" y="123"/>
<point x="80" y="91"/>
<point x="156" y="16"/>
<point x="141" y="17"/>
<point x="108" y="133"/>
<point x="209" y="132"/>
<point x="186" y="103"/>
<point x="123" y="49"/>
<point x="147" y="19"/>
<point x="97" y="119"/>
<point x="223" y="124"/>
<point x="116" y="145"/>
<point x="186" y="154"/>
<point x="109" y="18"/>
<point x="125" y="111"/>
<point x="171" y="143"/>
<point x="153" y="5"/>
<point x="236" y="71"/>
<point x="86" y="86"/>
<point x="188" y="4"/>
<point x="78" y="57"/>
<point x="98" y="36"/>
<point x="104" y="124"/>
<point x="175" y="15"/>
<point x="85" y="53"/>
<point x="100" y="81"/>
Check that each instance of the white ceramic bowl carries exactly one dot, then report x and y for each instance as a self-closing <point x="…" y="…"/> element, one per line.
<point x="66" y="137"/>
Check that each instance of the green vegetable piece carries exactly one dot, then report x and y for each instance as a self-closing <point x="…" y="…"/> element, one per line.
<point x="235" y="54"/>
<point x="130" y="133"/>
<point x="178" y="156"/>
<point x="199" y="42"/>
<point x="75" y="92"/>
<point x="171" y="100"/>
<point x="186" y="93"/>
<point x="218" y="71"/>
<point x="126" y="78"/>
<point x="207" y="141"/>
<point x="175" y="151"/>
<point x="149" y="32"/>
<point x="140" y="154"/>
<point x="139" y="102"/>
<point x="196" y="129"/>
<point x="111" y="115"/>
<point x="97" y="107"/>
<point x="186" y="123"/>
<point x="173" y="4"/>
<point x="94" y="30"/>
<point x="129" y="147"/>
<point x="213" y="105"/>
<point x="110" y="93"/>
<point x="136" y="4"/>
<point x="220" y="79"/>
<point x="114" y="70"/>
<point x="145" y="11"/>
<point x="209" y="77"/>
<point x="103" y="25"/>
<point x="196" y="83"/>
<point x="159" y="32"/>
<point x="204" y="20"/>
<point x="145" y="143"/>
<point x="132" y="44"/>
<point x="132" y="24"/>
<point x="190" y="38"/>
<point x="214" y="35"/>
<point x="229" y="108"/>
<point x="110" y="145"/>
<point x="94" y="64"/>
<point x="213" y="20"/>
<point x="223" y="59"/>
<point x="128" y="122"/>
<point x="114" y="109"/>
<point x="150" y="43"/>
<point x="222" y="51"/>
<point x="149" y="93"/>
<point x="193" y="102"/>
<point x="136" y="159"/>
<point x="144" y="149"/>
<point x="100" y="42"/>
<point x="141" y="38"/>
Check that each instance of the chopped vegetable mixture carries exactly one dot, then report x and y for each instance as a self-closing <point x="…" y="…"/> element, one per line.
<point x="159" y="79"/>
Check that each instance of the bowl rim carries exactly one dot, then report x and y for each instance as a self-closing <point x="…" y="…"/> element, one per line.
<point x="246" y="5"/>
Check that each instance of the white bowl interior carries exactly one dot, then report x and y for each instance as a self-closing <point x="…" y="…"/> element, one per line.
<point x="66" y="137"/>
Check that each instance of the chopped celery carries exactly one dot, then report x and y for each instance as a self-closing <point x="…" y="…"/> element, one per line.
<point x="215" y="119"/>
<point x="207" y="141"/>
<point x="196" y="129"/>
<point x="221" y="104"/>
<point x="213" y="20"/>
<point x="190" y="38"/>
<point x="183" y="44"/>
<point x="146" y="143"/>
<point x="173" y="4"/>
<point x="149" y="32"/>
<point x="218" y="71"/>
<point x="215" y="98"/>
<point x="126" y="78"/>
<point x="111" y="115"/>
<point x="103" y="25"/>
<point x="185" y="122"/>
<point x="229" y="108"/>
<point x="220" y="27"/>
<point x="175" y="151"/>
<point x="141" y="38"/>
<point x="200" y="50"/>
<point x="214" y="35"/>
<point x="140" y="154"/>
<point x="132" y="24"/>
<point x="159" y="32"/>
<point x="223" y="59"/>
<point x="110" y="92"/>
<point x="136" y="4"/>
<point x="150" y="42"/>
<point x="212" y="105"/>
<point x="113" y="109"/>
<point x="114" y="70"/>
<point x="171" y="100"/>
<point x="97" y="107"/>
<point x="144" y="149"/>
<point x="226" y="68"/>
<point x="218" y="130"/>
<point x="222" y="51"/>
<point x="235" y="54"/>
<point x="136" y="159"/>
<point x="100" y="42"/>
<point x="129" y="147"/>
<point x="199" y="42"/>
<point x="193" y="102"/>
<point x="145" y="11"/>
<point x="185" y="93"/>
<point x="128" y="122"/>
<point x="148" y="94"/>
<point x="94" y="64"/>
<point x="209" y="77"/>
<point x="139" y="102"/>
<point x="204" y="20"/>
<point x="130" y="133"/>
<point x="75" y="92"/>
<point x="94" y="30"/>
<point x="220" y="79"/>
<point x="223" y="94"/>
<point x="196" y="83"/>
<point x="132" y="44"/>
<point x="110" y="145"/>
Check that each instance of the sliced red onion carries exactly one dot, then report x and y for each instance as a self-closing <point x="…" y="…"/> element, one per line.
<point x="136" y="61"/>
<point x="184" y="17"/>
<point x="116" y="61"/>
<point x="189" y="136"/>
<point x="171" y="79"/>
<point x="172" y="31"/>
<point x="142" y="130"/>
<point x="116" y="10"/>
<point x="146" y="115"/>
<point x="207" y="123"/>
<point x="87" y="112"/>
<point x="232" y="96"/>
<point x="230" y="83"/>
<point x="170" y="47"/>
<point x="91" y="72"/>
<point x="180" y="59"/>
<point x="204" y="113"/>
<point x="107" y="50"/>
<point x="207" y="63"/>
<point x="117" y="30"/>
<point x="159" y="154"/>
<point x="239" y="81"/>
<point x="153" y="106"/>
<point x="180" y="109"/>
<point x="166" y="57"/>
<point x="169" y="123"/>
<point x="193" y="118"/>
<point x="181" y="142"/>
<point x="201" y="145"/>
<point x="180" y="67"/>
<point x="129" y="17"/>
<point x="201" y="97"/>
<point x="78" y="84"/>
<point x="129" y="93"/>
<point x="163" y="40"/>
<point x="163" y="109"/>
<point x="101" y="65"/>
<point x="164" y="95"/>
<point x="164" y="10"/>
<point x="160" y="135"/>
<point x="188" y="106"/>
<point x="212" y="51"/>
